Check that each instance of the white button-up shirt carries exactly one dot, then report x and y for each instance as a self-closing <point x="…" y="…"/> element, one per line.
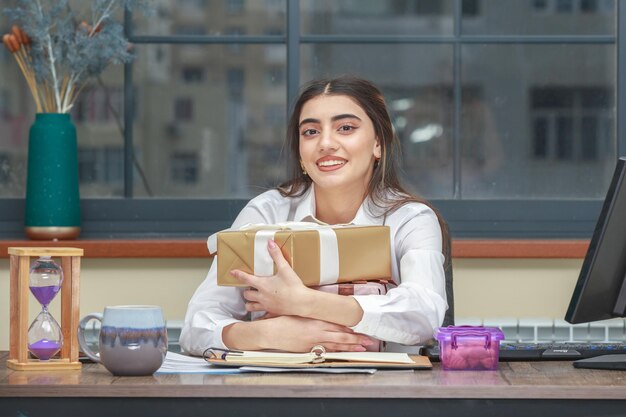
<point x="407" y="314"/>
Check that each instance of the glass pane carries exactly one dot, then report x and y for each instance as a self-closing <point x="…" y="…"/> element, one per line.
<point x="418" y="92"/>
<point x="377" y="17"/>
<point x="98" y="115"/>
<point x="532" y="127"/>
<point x="210" y="122"/>
<point x="17" y="113"/>
<point x="215" y="17"/>
<point x="540" y="17"/>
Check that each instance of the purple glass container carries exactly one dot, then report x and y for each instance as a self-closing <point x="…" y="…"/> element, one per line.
<point x="469" y="348"/>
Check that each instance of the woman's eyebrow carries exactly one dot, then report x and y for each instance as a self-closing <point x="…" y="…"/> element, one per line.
<point x="309" y="120"/>
<point x="345" y="116"/>
<point x="334" y="118"/>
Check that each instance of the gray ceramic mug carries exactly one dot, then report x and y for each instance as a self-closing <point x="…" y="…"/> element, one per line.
<point x="133" y="339"/>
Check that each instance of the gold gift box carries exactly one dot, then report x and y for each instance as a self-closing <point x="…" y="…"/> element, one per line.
<point x="364" y="253"/>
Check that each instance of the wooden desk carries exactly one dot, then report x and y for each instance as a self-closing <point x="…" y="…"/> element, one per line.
<point x="516" y="389"/>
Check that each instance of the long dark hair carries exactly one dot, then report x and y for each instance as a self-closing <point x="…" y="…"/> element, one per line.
<point x="384" y="188"/>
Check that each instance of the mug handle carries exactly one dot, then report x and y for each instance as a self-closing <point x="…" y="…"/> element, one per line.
<point x="81" y="335"/>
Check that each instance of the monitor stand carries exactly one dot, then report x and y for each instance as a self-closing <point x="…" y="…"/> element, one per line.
<point x="613" y="362"/>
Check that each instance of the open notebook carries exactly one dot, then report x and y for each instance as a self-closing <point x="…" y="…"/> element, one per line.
<point x="317" y="358"/>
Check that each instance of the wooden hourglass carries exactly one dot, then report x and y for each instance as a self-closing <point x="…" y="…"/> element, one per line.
<point x="23" y="277"/>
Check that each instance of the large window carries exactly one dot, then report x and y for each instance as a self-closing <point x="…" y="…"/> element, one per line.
<point x="507" y="110"/>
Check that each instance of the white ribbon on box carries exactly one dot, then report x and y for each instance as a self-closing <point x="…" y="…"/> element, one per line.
<point x="263" y="262"/>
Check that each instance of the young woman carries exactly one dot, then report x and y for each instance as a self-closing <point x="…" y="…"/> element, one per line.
<point x="343" y="150"/>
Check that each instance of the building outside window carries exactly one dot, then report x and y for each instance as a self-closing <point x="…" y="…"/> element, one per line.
<point x="184" y="167"/>
<point x="235" y="48"/>
<point x="87" y="165"/>
<point x="183" y="109"/>
<point x="235" y="6"/>
<point x="192" y="75"/>
<point x="573" y="6"/>
<point x="5" y="164"/>
<point x="275" y="76"/>
<point x="99" y="105"/>
<point x="100" y="166"/>
<point x="572" y="124"/>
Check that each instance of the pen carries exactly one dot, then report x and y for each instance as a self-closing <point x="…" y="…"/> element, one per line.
<point x="219" y="352"/>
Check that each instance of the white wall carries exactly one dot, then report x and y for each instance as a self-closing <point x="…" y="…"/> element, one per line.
<point x="483" y="287"/>
<point x="489" y="288"/>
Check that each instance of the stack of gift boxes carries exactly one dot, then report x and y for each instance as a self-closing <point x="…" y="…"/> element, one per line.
<point x="346" y="260"/>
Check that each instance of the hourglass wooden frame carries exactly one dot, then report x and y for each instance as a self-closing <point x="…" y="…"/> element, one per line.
<point x="70" y="309"/>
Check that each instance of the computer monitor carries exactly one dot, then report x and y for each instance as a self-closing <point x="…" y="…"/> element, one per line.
<point x="600" y="292"/>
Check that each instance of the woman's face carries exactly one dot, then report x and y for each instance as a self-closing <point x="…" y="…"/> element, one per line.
<point x="338" y="144"/>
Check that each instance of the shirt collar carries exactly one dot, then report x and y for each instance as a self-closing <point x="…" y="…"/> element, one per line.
<point x="365" y="215"/>
<point x="305" y="210"/>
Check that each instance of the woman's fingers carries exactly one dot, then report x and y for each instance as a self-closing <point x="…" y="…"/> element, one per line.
<point x="251" y="295"/>
<point x="266" y="316"/>
<point x="338" y="347"/>
<point x="346" y="342"/>
<point x="277" y="255"/>
<point x="339" y="337"/>
<point x="248" y="279"/>
<point x="349" y="339"/>
<point x="334" y="327"/>
<point x="254" y="307"/>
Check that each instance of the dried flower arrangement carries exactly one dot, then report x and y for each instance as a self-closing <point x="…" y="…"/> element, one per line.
<point x="57" y="52"/>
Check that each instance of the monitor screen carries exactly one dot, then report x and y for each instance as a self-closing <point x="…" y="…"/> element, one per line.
<point x="600" y="292"/>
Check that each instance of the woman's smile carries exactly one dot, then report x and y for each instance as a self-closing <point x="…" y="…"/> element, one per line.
<point x="330" y="163"/>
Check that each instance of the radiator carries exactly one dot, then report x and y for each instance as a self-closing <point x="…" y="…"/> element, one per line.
<point x="552" y="330"/>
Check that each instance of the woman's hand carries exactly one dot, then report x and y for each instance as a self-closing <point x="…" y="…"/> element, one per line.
<point x="299" y="334"/>
<point x="280" y="294"/>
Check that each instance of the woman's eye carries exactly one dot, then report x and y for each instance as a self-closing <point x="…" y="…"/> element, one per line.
<point x="309" y="132"/>
<point x="346" y="128"/>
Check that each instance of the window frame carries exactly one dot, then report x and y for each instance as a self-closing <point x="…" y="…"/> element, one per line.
<point x="128" y="216"/>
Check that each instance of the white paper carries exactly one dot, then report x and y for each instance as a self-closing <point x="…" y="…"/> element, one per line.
<point x="306" y="370"/>
<point x="176" y="363"/>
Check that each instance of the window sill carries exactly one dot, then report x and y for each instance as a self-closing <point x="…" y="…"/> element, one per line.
<point x="196" y="248"/>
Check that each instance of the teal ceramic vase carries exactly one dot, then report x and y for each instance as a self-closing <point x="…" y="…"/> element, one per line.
<point x="52" y="196"/>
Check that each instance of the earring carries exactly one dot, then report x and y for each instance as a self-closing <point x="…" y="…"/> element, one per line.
<point x="303" y="170"/>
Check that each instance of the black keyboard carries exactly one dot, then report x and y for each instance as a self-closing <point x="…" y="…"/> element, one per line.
<point x="513" y="351"/>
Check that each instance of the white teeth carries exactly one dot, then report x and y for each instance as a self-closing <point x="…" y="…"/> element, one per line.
<point x="330" y="163"/>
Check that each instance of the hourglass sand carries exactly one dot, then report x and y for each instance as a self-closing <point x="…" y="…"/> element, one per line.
<point x="44" y="279"/>
<point x="44" y="334"/>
